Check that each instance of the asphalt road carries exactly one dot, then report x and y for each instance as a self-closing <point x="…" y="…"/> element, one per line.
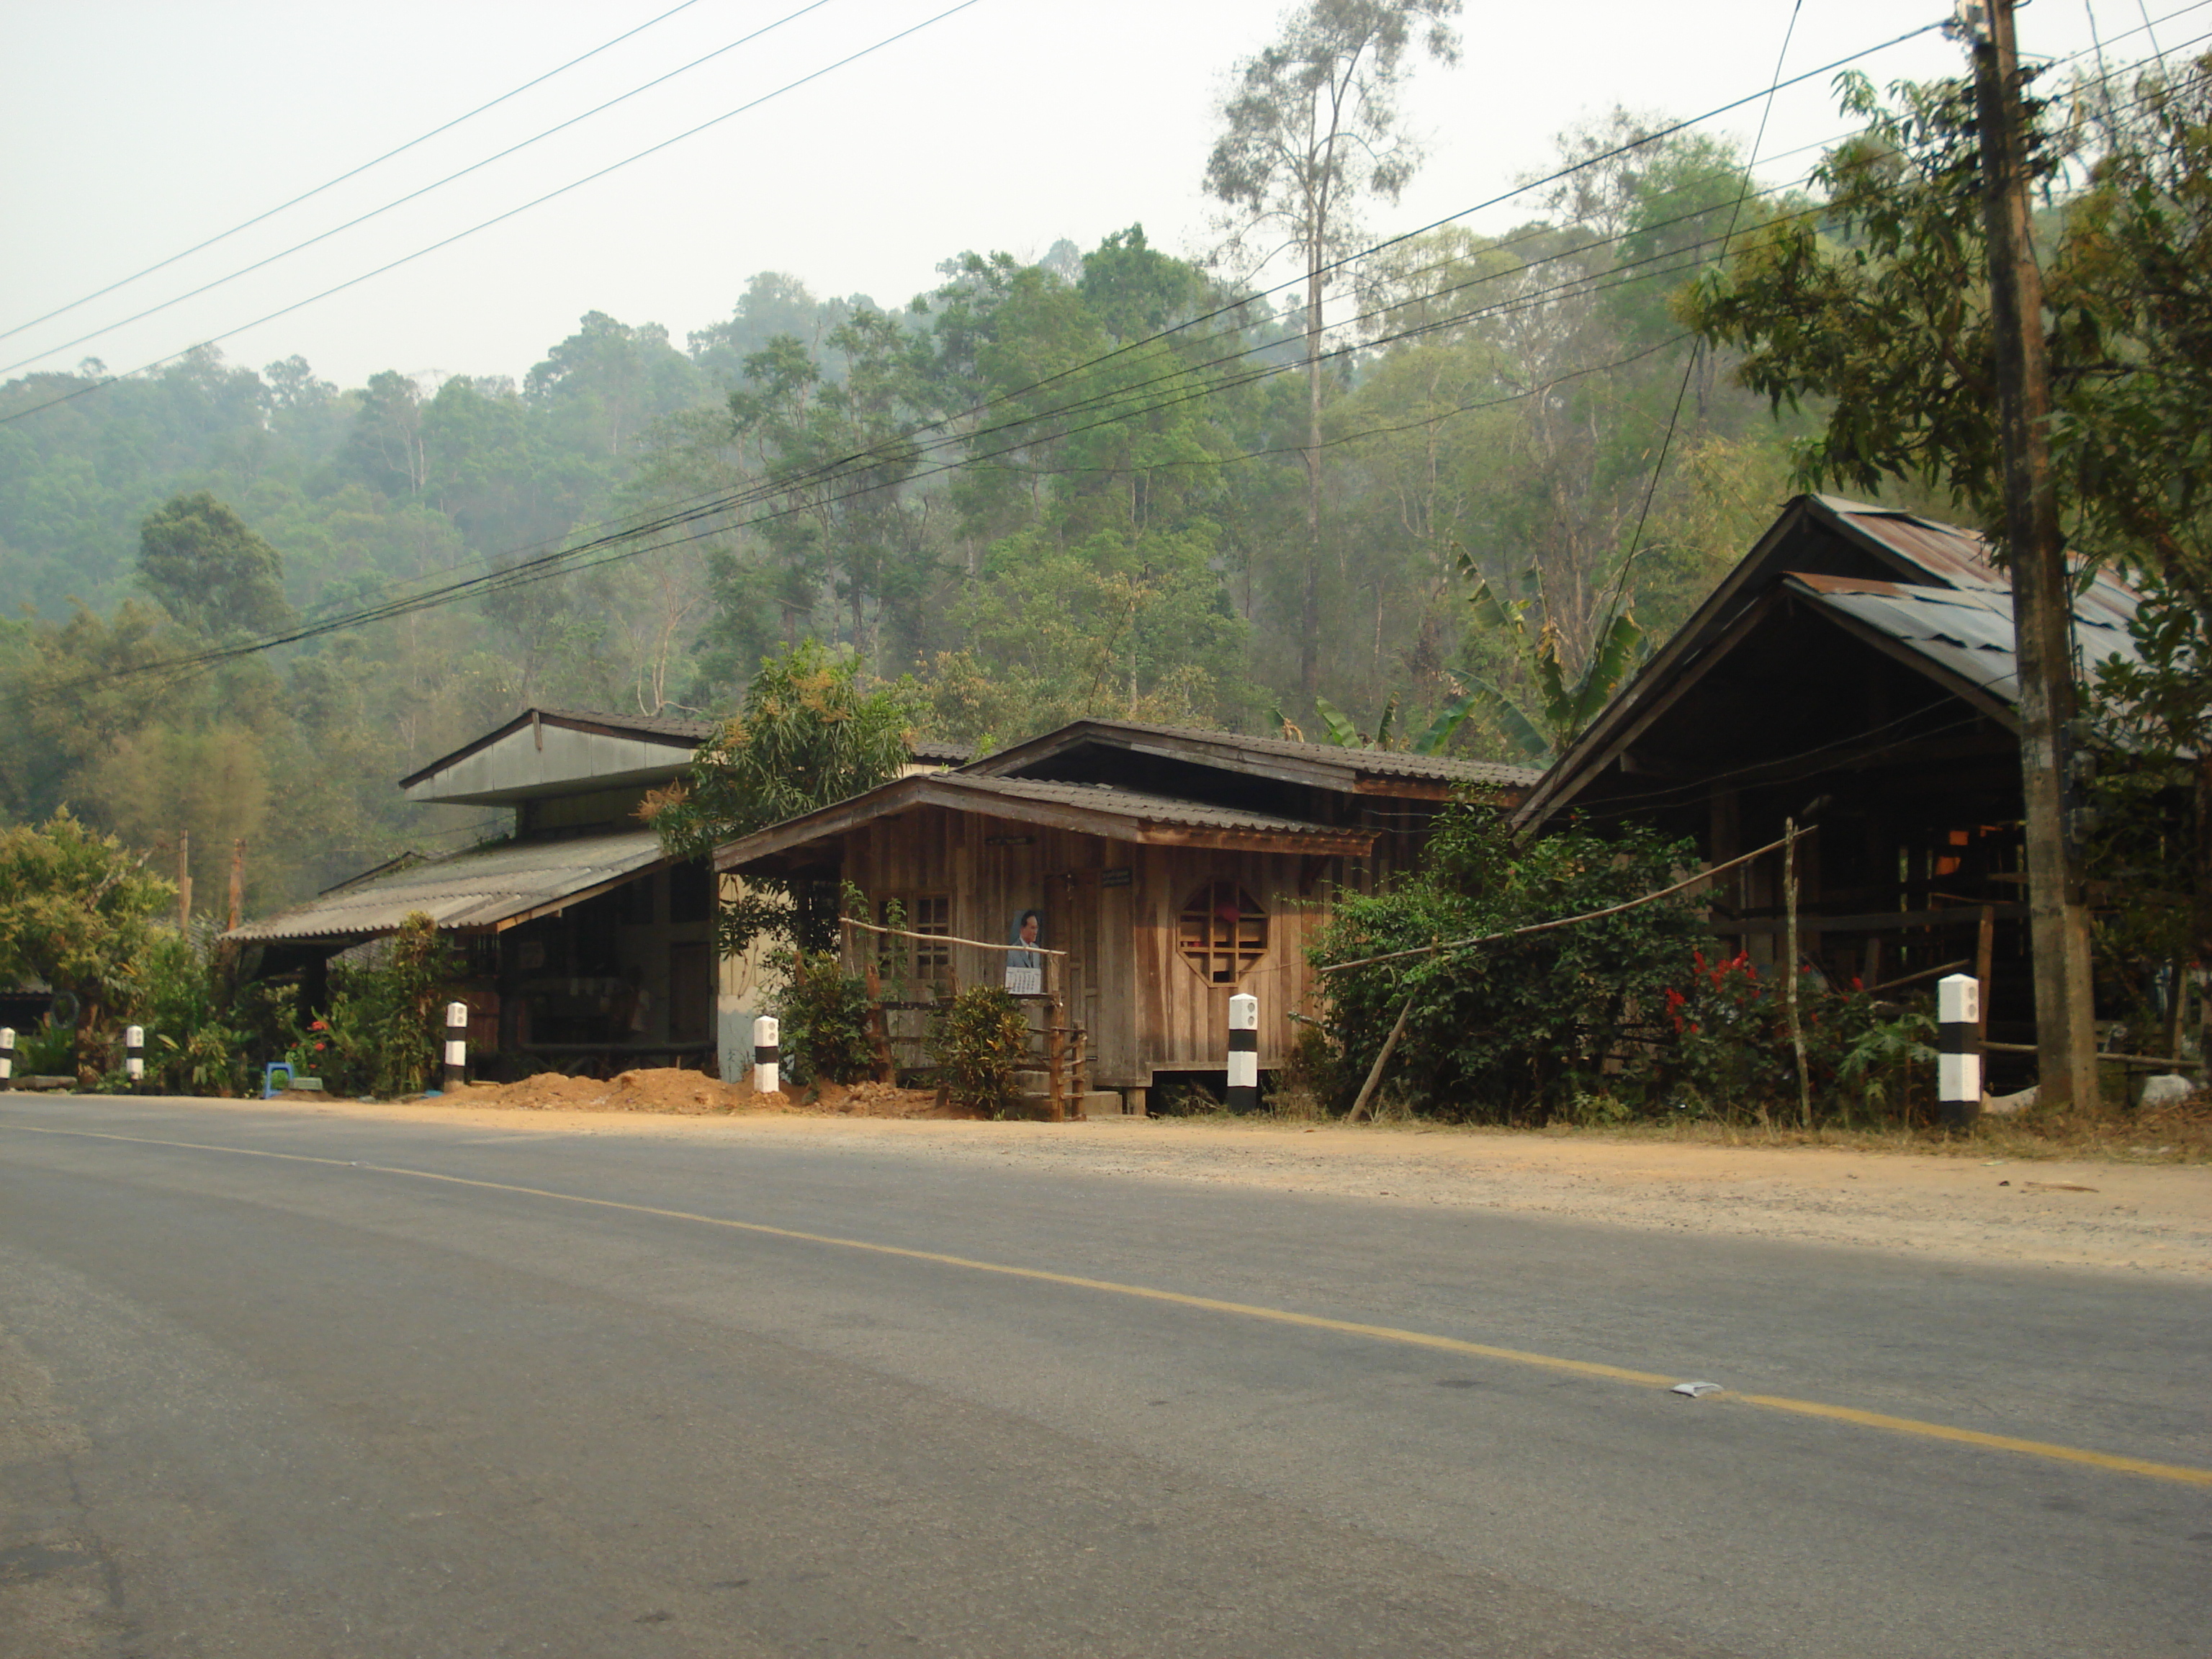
<point x="321" y="1403"/>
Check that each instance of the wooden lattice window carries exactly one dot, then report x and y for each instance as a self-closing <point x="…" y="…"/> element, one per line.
<point x="1223" y="933"/>
<point x="926" y="913"/>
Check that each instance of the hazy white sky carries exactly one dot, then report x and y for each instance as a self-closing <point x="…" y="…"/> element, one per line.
<point x="133" y="131"/>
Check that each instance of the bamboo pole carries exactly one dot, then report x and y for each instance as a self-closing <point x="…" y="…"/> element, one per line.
<point x="1375" y="1071"/>
<point x="947" y="938"/>
<point x="1985" y="950"/>
<point x="1790" y="975"/>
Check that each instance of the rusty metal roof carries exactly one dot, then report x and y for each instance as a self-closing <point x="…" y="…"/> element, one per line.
<point x="494" y="887"/>
<point x="1965" y="632"/>
<point x="1952" y="558"/>
<point x="1947" y="605"/>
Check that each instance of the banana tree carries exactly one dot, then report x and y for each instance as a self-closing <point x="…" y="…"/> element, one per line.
<point x="1563" y="706"/>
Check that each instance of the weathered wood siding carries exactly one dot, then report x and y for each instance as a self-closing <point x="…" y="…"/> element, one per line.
<point x="1125" y="980"/>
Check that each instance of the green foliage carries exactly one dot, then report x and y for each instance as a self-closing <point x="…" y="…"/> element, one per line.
<point x="822" y="1013"/>
<point x="209" y="572"/>
<point x="2149" y="796"/>
<point x="386" y="1015"/>
<point x="811" y="733"/>
<point x="1731" y="1053"/>
<point x="193" y="1045"/>
<point x="981" y="1039"/>
<point x="1883" y="308"/>
<point x="1563" y="704"/>
<point x="76" y="910"/>
<point x="1505" y="1032"/>
<point x="1602" y="1022"/>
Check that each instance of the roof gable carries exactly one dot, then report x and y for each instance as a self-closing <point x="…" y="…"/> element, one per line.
<point x="559" y="751"/>
<point x="1923" y="591"/>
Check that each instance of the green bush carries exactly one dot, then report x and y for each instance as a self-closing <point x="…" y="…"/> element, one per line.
<point x="822" y="1011"/>
<point x="1603" y="1022"/>
<point x="380" y="1034"/>
<point x="1731" y="1051"/>
<point x="1514" y="1030"/>
<point x="193" y="1046"/>
<point x="980" y="1042"/>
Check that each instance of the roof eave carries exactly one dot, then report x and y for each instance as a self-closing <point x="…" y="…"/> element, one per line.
<point x="1104" y="819"/>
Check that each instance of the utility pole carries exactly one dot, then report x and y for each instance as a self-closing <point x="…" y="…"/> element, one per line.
<point x="237" y="885"/>
<point x="2042" y="599"/>
<point x="184" y="880"/>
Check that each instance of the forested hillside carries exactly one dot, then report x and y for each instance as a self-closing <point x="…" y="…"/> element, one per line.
<point x="1039" y="490"/>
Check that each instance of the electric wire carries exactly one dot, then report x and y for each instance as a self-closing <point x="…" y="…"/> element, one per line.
<point x="413" y="195"/>
<point x="352" y="173"/>
<point x="498" y="218"/>
<point x="531" y="570"/>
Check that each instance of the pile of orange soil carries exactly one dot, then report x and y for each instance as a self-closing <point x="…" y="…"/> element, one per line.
<point x="695" y="1094"/>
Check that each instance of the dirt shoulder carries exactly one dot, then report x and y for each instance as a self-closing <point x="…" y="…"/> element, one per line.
<point x="2153" y="1217"/>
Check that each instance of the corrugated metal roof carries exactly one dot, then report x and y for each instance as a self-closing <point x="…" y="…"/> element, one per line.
<point x="483" y="887"/>
<point x="1101" y="809"/>
<point x="668" y="726"/>
<point x="1957" y="558"/>
<point x="1130" y="804"/>
<point x="1965" y="631"/>
<point x="1372" y="762"/>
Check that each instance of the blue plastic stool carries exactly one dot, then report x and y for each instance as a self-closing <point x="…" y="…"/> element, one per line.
<point x="269" y="1077"/>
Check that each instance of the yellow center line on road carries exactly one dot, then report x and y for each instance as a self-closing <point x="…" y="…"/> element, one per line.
<point x="1390" y="1334"/>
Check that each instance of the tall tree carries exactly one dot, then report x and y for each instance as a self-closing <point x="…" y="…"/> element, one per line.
<point x="1310" y="125"/>
<point x="208" y="570"/>
<point x="1883" y="308"/>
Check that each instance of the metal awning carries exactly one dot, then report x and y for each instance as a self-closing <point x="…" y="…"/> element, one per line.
<point x="486" y="888"/>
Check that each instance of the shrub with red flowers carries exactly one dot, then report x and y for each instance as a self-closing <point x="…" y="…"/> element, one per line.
<point x="1727" y="1049"/>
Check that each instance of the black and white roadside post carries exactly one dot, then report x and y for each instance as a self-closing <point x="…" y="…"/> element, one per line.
<point x="1959" y="1050"/>
<point x="768" y="1059"/>
<point x="134" y="1053"/>
<point x="1243" y="1053"/>
<point x="457" y="1045"/>
<point x="7" y="1056"/>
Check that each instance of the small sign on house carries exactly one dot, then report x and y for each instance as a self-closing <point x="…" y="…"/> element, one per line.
<point x="1024" y="982"/>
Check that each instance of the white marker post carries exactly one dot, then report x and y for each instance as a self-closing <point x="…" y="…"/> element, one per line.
<point x="1243" y="1053"/>
<point x="134" y="1053"/>
<point x="7" y="1056"/>
<point x="457" y="1045"/>
<point x="768" y="1059"/>
<point x="1959" y="1050"/>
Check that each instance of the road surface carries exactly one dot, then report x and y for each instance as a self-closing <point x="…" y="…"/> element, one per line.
<point x="277" y="1383"/>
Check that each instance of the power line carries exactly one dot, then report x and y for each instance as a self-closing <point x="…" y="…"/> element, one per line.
<point x="498" y="218"/>
<point x="362" y="219"/>
<point x="614" y="545"/>
<point x="353" y="173"/>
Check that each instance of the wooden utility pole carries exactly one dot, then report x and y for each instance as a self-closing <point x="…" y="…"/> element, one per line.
<point x="2041" y="601"/>
<point x="237" y="885"/>
<point x="184" y="879"/>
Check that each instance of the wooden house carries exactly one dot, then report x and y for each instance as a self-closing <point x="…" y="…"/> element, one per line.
<point x="585" y="947"/>
<point x="1174" y="868"/>
<point x="1855" y="671"/>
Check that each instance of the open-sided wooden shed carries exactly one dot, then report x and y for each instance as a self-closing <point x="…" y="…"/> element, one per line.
<point x="1175" y="869"/>
<point x="1856" y="671"/>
